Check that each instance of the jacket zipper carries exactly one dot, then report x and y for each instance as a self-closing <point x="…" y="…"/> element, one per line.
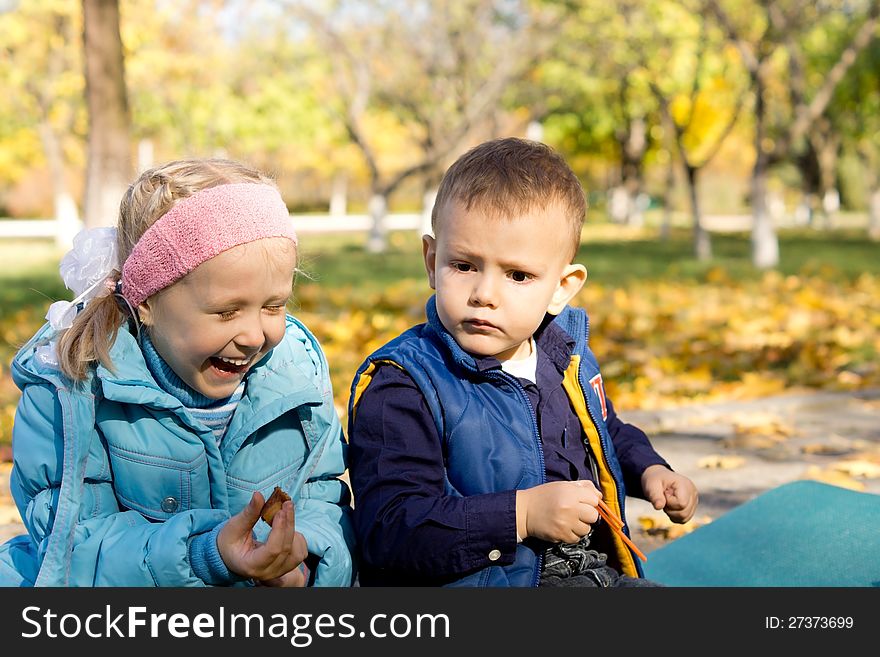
<point x="536" y="433"/>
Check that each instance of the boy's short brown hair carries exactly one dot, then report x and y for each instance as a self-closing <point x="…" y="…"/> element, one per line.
<point x="509" y="176"/>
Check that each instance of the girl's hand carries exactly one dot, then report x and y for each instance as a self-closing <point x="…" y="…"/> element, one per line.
<point x="284" y="549"/>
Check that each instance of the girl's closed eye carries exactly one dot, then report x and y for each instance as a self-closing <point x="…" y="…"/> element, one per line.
<point x="226" y="314"/>
<point x="275" y="308"/>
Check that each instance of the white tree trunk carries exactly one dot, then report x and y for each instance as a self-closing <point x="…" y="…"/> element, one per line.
<point x="765" y="244"/>
<point x="427" y="209"/>
<point x="339" y="196"/>
<point x="619" y="204"/>
<point x="874" y="216"/>
<point x="145" y="156"/>
<point x="67" y="216"/>
<point x="377" y="241"/>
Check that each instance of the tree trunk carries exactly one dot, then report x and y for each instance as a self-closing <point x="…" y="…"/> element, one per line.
<point x="666" y="222"/>
<point x="339" y="196"/>
<point x="427" y="209"/>
<point x="874" y="215"/>
<point x="702" y="240"/>
<point x="377" y="240"/>
<point x="145" y="159"/>
<point x="765" y="244"/>
<point x="109" y="167"/>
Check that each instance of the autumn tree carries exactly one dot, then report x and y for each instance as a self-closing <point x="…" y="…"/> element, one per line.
<point x="699" y="97"/>
<point x="414" y="82"/>
<point x="109" y="167"/>
<point x="40" y="68"/>
<point x="855" y="115"/>
<point x="597" y="100"/>
<point x="768" y="35"/>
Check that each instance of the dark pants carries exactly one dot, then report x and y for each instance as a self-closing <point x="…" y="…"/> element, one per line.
<point x="574" y="564"/>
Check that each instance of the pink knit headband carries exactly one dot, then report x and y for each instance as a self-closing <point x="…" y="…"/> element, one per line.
<point x="198" y="228"/>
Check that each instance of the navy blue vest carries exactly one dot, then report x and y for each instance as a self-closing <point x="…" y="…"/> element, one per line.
<point x="488" y="426"/>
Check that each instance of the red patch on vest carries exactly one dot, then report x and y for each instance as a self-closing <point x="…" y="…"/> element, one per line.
<point x="599" y="389"/>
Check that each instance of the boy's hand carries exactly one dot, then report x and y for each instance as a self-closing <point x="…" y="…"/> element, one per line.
<point x="670" y="491"/>
<point x="283" y="552"/>
<point x="558" y="511"/>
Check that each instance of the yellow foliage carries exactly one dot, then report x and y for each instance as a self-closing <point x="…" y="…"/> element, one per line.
<point x="833" y="477"/>
<point x="661" y="525"/>
<point x="721" y="462"/>
<point x="660" y="343"/>
<point x="860" y="468"/>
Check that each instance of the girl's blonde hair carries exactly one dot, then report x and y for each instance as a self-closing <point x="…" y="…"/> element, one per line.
<point x="153" y="194"/>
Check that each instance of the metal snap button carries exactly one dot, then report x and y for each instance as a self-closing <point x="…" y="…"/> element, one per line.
<point x="495" y="555"/>
<point x="170" y="504"/>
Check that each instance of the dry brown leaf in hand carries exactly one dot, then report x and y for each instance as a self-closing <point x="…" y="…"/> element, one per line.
<point x="720" y="462"/>
<point x="273" y="504"/>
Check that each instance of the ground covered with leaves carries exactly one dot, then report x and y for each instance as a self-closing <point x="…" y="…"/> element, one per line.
<point x="666" y="331"/>
<point x="660" y="343"/>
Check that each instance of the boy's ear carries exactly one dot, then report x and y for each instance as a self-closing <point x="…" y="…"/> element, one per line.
<point x="570" y="283"/>
<point x="429" y="251"/>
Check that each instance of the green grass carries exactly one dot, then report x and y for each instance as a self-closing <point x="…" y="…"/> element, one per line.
<point x="340" y="260"/>
<point x="29" y="276"/>
<point x="29" y="268"/>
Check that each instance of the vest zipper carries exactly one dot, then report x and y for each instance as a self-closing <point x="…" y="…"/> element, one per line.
<point x="536" y="433"/>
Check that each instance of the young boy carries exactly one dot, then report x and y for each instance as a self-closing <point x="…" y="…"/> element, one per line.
<point x="482" y="440"/>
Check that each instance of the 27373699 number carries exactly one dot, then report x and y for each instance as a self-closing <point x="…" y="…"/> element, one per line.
<point x="808" y="622"/>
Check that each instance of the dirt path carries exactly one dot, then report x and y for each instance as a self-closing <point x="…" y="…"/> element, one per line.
<point x="735" y="451"/>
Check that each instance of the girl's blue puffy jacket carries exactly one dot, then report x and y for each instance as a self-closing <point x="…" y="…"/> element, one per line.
<point x="113" y="477"/>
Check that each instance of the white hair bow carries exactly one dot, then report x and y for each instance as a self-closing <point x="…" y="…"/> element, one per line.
<point x="85" y="270"/>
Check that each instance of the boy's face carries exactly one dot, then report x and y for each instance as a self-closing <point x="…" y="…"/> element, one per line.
<point x="219" y="320"/>
<point x="496" y="278"/>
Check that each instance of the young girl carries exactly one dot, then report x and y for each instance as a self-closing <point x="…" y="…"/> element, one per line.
<point x="162" y="406"/>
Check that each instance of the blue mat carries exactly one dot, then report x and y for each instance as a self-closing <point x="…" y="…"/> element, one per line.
<point x="804" y="533"/>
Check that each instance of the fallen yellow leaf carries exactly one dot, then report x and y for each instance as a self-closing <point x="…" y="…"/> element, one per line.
<point x="824" y="449"/>
<point x="661" y="525"/>
<point x="762" y="425"/>
<point x="858" y="468"/>
<point x="833" y="477"/>
<point x="720" y="462"/>
<point x="751" y="442"/>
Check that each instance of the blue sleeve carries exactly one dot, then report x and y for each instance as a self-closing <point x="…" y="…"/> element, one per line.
<point x="100" y="543"/>
<point x="404" y="518"/>
<point x="206" y="562"/>
<point x="634" y="451"/>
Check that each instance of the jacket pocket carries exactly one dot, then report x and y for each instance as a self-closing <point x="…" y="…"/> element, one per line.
<point x="159" y="486"/>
